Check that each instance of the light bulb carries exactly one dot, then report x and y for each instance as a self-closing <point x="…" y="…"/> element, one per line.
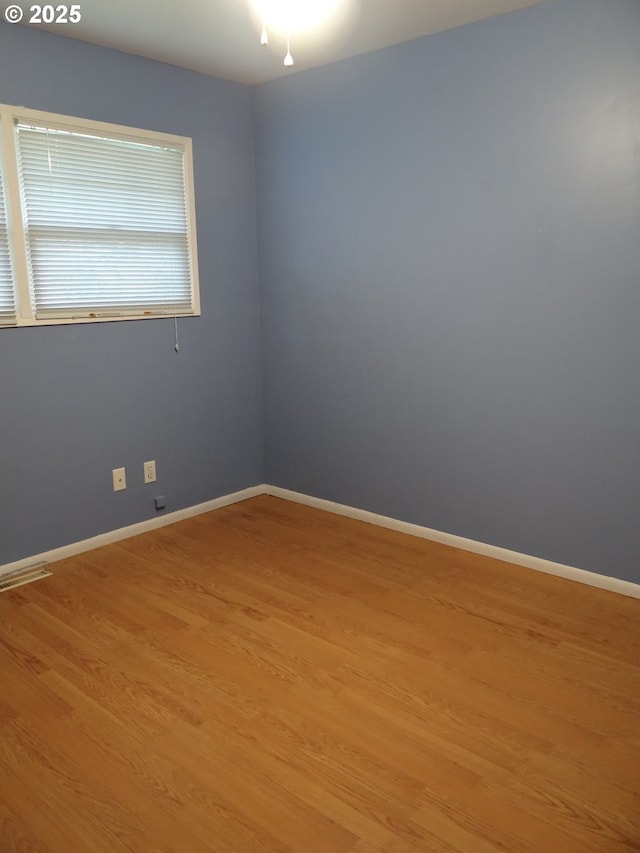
<point x="264" y="38"/>
<point x="296" y="16"/>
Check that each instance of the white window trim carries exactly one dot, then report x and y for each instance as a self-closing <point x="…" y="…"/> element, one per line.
<point x="17" y="243"/>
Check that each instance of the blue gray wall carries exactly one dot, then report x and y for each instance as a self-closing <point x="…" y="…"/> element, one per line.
<point x="77" y="401"/>
<point x="450" y="288"/>
<point x="449" y="241"/>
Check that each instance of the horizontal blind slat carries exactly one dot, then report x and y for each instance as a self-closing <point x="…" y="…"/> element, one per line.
<point x="107" y="225"/>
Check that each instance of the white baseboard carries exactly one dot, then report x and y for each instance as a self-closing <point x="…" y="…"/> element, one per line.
<point x="536" y="563"/>
<point x="131" y="530"/>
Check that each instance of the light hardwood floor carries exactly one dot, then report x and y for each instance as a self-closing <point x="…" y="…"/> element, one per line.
<point x="269" y="677"/>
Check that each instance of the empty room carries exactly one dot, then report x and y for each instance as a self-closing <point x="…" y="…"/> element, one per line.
<point x="320" y="426"/>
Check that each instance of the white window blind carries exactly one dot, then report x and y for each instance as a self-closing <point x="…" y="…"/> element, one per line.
<point x="7" y="297"/>
<point x="106" y="224"/>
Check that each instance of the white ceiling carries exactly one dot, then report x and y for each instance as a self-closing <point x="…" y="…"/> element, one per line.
<point x="220" y="37"/>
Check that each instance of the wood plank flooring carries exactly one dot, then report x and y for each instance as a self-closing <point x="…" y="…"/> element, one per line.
<point x="269" y="677"/>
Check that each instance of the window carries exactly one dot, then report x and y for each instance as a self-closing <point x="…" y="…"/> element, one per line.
<point x="101" y="222"/>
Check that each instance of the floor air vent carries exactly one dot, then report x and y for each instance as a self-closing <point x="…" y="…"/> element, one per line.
<point x="31" y="573"/>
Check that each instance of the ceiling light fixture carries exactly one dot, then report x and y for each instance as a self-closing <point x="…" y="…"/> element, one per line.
<point x="293" y="17"/>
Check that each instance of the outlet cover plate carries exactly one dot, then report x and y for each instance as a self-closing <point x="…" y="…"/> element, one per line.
<point x="119" y="479"/>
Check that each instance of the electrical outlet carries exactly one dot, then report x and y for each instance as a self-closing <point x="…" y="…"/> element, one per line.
<point x="119" y="479"/>
<point x="150" y="472"/>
